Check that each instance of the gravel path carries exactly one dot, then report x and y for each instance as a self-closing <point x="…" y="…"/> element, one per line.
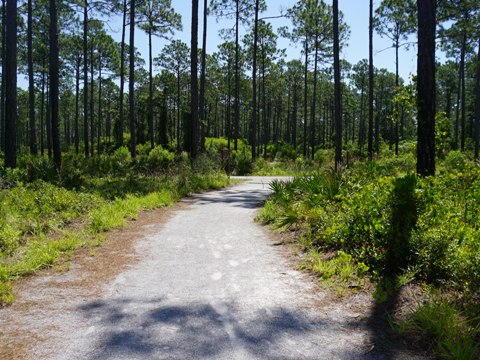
<point x="210" y="284"/>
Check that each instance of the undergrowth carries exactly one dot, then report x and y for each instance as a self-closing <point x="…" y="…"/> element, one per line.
<point x="396" y="228"/>
<point x="44" y="216"/>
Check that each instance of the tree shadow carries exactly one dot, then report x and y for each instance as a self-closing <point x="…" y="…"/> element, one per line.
<point x="160" y="329"/>
<point x="404" y="207"/>
<point x="248" y="199"/>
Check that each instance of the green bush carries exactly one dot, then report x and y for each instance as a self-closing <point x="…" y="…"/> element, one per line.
<point x="160" y="159"/>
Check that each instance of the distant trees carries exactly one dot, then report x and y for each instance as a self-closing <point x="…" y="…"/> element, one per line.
<point x="158" y="18"/>
<point x="247" y="92"/>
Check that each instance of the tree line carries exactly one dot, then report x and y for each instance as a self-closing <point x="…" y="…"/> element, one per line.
<point x="245" y="89"/>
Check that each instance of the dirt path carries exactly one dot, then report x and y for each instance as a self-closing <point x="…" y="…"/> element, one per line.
<point x="201" y="282"/>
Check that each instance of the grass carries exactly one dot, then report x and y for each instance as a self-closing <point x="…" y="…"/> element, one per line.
<point x="35" y="230"/>
<point x="378" y="220"/>
<point x="453" y="335"/>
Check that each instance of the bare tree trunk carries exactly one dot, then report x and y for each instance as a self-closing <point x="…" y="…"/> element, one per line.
<point x="150" y="90"/>
<point x="31" y="85"/>
<point x="203" y="75"/>
<point x="337" y="88"/>
<point x="92" y="104"/>
<point x="477" y="106"/>
<point x="54" y="67"/>
<point x="370" y="85"/>
<point x="194" y="80"/>
<point x="237" y="77"/>
<point x="426" y="87"/>
<point x="462" y="82"/>
<point x="77" y="107"/>
<point x="119" y="124"/>
<point x="85" y="78"/>
<point x="305" y="101"/>
<point x="314" y="101"/>
<point x="253" y="135"/>
<point x="2" y="90"/>
<point x="11" y="85"/>
<point x="131" y="85"/>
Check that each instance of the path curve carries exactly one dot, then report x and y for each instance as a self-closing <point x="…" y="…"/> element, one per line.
<point x="210" y="284"/>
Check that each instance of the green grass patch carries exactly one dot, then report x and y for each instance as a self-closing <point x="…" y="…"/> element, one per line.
<point x="451" y="334"/>
<point x="35" y="217"/>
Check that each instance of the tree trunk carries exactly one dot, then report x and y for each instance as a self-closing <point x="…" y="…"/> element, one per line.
<point x="120" y="121"/>
<point x="92" y="103"/>
<point x="337" y="88"/>
<point x="31" y="85"/>
<point x="253" y="130"/>
<point x="85" y="79"/>
<point x="42" y="114"/>
<point x="11" y="85"/>
<point x="314" y="101"/>
<point x="194" y="80"/>
<point x="477" y="106"/>
<point x="237" y="76"/>
<point x="150" y="89"/>
<point x="100" y="113"/>
<point x="370" y="84"/>
<point x="426" y="87"/>
<point x="305" y="101"/>
<point x="462" y="82"/>
<point x="2" y="90"/>
<point x="203" y="77"/>
<point x="397" y="83"/>
<point x="54" y="94"/>
<point x="77" y="105"/>
<point x="131" y="85"/>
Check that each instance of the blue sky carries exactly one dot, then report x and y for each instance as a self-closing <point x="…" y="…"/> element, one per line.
<point x="356" y="16"/>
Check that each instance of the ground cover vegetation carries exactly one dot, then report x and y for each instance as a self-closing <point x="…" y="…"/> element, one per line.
<point x="45" y="215"/>
<point x="77" y="147"/>
<point x="378" y="220"/>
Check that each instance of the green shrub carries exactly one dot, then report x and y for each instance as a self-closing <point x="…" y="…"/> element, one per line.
<point x="160" y="159"/>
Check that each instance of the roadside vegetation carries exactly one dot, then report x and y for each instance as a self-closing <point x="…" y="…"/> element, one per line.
<point x="45" y="215"/>
<point x="377" y="222"/>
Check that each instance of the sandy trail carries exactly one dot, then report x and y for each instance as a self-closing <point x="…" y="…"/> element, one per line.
<point x="206" y="284"/>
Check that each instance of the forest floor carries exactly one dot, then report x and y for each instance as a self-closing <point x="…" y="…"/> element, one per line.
<point x="199" y="280"/>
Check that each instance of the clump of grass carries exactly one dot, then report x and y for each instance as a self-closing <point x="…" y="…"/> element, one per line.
<point x="451" y="335"/>
<point x="34" y="217"/>
<point x="339" y="268"/>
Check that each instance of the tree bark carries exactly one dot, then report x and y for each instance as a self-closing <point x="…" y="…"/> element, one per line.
<point x="203" y="75"/>
<point x="2" y="90"/>
<point x="85" y="79"/>
<point x="31" y="85"/>
<point x="314" y="101"/>
<point x="305" y="101"/>
<point x="426" y="87"/>
<point x="253" y="135"/>
<point x="194" y="81"/>
<point x="119" y="123"/>
<point x="54" y="68"/>
<point x="150" y="90"/>
<point x="77" y="107"/>
<point x="237" y="76"/>
<point x="337" y="88"/>
<point x="370" y="84"/>
<point x="11" y="85"/>
<point x="131" y="85"/>
<point x="477" y="106"/>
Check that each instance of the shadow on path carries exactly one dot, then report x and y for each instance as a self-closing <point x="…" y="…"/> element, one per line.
<point x="248" y="199"/>
<point x="210" y="331"/>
